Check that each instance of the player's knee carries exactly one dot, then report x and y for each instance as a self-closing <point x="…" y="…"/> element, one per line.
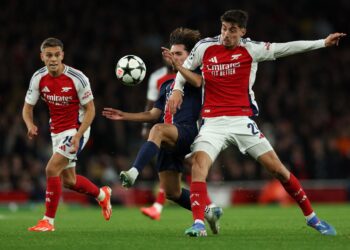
<point x="51" y="171"/>
<point x="196" y="163"/>
<point x="157" y="130"/>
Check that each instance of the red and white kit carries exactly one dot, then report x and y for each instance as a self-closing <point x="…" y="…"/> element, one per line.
<point x="65" y="96"/>
<point x="229" y="76"/>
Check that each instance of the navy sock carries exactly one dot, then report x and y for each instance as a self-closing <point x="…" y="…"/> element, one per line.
<point x="184" y="199"/>
<point x="146" y="153"/>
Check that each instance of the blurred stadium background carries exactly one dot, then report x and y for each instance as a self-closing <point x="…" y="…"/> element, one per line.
<point x="303" y="98"/>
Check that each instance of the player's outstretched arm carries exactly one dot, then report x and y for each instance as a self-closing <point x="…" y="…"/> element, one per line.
<point x="191" y="77"/>
<point x="27" y="114"/>
<point x="118" y="115"/>
<point x="290" y="48"/>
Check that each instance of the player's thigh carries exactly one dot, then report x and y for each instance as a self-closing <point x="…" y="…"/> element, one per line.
<point x="61" y="144"/>
<point x="167" y="133"/>
<point x="245" y="134"/>
<point x="56" y="164"/>
<point x="171" y="182"/>
<point x="212" y="137"/>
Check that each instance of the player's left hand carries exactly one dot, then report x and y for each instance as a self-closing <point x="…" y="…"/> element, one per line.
<point x="75" y="143"/>
<point x="333" y="39"/>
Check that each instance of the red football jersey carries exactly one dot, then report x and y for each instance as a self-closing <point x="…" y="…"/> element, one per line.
<point x="65" y="95"/>
<point x="229" y="74"/>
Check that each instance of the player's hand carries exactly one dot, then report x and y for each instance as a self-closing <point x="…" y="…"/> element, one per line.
<point x="75" y="143"/>
<point x="168" y="57"/>
<point x="113" y="114"/>
<point x="333" y="39"/>
<point x="175" y="101"/>
<point x="32" y="132"/>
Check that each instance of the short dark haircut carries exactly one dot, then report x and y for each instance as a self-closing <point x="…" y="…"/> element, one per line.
<point x="184" y="36"/>
<point x="51" y="42"/>
<point x="239" y="17"/>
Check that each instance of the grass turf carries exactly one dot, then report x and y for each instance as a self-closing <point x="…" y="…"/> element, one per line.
<point x="243" y="227"/>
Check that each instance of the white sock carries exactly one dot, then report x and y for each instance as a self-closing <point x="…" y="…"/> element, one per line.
<point x="199" y="221"/>
<point x="51" y="220"/>
<point x="310" y="216"/>
<point x="133" y="172"/>
<point x="101" y="196"/>
<point x="159" y="207"/>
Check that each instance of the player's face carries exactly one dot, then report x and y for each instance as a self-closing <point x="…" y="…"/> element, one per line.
<point x="52" y="57"/>
<point x="179" y="52"/>
<point x="231" y="34"/>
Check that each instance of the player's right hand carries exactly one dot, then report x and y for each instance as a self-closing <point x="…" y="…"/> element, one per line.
<point x="113" y="114"/>
<point x="175" y="101"/>
<point x="168" y="57"/>
<point x="32" y="132"/>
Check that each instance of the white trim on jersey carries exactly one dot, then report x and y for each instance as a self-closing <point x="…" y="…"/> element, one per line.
<point x="82" y="85"/>
<point x="152" y="88"/>
<point x="33" y="92"/>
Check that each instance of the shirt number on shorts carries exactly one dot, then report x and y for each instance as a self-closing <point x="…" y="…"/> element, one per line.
<point x="253" y="127"/>
<point x="67" y="141"/>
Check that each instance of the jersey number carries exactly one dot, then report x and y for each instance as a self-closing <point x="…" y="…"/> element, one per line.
<point x="253" y="127"/>
<point x="67" y="141"/>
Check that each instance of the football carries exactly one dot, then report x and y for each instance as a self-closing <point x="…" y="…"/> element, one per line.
<point x="131" y="70"/>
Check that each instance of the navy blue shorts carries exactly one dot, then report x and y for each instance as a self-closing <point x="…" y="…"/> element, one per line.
<point x="172" y="159"/>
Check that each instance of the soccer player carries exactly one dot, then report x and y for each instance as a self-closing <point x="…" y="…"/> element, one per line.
<point x="68" y="95"/>
<point x="171" y="138"/>
<point x="156" y="79"/>
<point x="229" y="64"/>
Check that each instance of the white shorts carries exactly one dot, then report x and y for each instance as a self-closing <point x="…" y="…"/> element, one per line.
<point x="61" y="143"/>
<point x="218" y="132"/>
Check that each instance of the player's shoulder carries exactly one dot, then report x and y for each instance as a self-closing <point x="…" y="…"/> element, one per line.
<point x="206" y="42"/>
<point x="40" y="72"/>
<point x="246" y="42"/>
<point x="69" y="70"/>
<point x="76" y="74"/>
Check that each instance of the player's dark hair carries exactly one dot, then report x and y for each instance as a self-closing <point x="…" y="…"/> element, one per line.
<point x="239" y="17"/>
<point x="184" y="36"/>
<point x="51" y="42"/>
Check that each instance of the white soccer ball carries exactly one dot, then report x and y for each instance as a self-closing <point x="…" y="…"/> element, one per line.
<point x="131" y="70"/>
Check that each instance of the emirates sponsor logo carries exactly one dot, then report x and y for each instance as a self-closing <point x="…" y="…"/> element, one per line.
<point x="223" y="69"/>
<point x="57" y="99"/>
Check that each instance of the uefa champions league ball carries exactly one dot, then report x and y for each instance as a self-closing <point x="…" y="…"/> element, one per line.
<point x="131" y="70"/>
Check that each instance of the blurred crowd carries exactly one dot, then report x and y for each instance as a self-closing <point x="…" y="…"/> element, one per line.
<point x="302" y="98"/>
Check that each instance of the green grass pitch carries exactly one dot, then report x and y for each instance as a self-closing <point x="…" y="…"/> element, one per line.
<point x="242" y="227"/>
